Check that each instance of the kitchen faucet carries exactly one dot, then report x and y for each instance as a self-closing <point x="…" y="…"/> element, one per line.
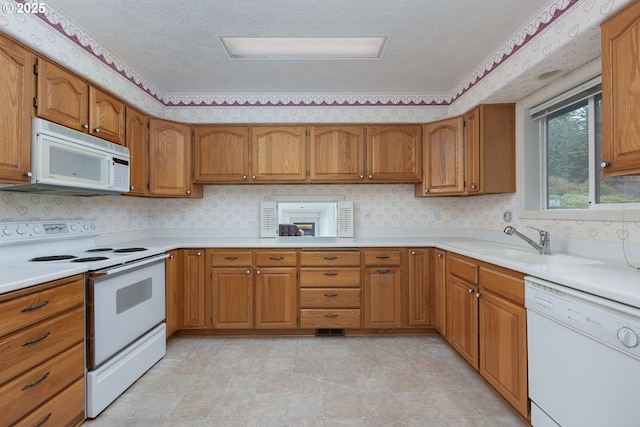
<point x="545" y="243"/>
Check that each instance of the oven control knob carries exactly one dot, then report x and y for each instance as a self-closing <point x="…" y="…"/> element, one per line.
<point x="627" y="337"/>
<point x="37" y="229"/>
<point x="85" y="226"/>
<point x="74" y="227"/>
<point x="20" y="230"/>
<point x="6" y="232"/>
<point x="93" y="226"/>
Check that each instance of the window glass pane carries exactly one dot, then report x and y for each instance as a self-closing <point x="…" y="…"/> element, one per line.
<point x="612" y="189"/>
<point x="568" y="158"/>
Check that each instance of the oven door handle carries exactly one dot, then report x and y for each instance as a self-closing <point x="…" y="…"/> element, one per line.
<point x="134" y="264"/>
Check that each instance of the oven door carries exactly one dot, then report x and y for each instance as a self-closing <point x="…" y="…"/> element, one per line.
<point x="123" y="303"/>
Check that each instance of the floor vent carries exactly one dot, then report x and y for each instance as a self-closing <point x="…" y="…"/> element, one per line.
<point x="329" y="332"/>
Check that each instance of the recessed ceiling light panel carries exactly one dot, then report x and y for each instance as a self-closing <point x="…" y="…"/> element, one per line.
<point x="304" y="47"/>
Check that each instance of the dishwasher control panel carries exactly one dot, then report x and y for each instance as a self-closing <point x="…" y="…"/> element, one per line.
<point x="600" y="319"/>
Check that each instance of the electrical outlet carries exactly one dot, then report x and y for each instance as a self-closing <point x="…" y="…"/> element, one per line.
<point x="252" y="216"/>
<point x="436" y="215"/>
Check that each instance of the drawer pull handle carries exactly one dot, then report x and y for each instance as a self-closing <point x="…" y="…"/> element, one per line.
<point x="36" y="382"/>
<point x="383" y="271"/>
<point x="231" y="258"/>
<point x="331" y="273"/>
<point x="330" y="258"/>
<point x="276" y="258"/>
<point x="330" y="315"/>
<point x="333" y="294"/>
<point x="34" y="307"/>
<point x="383" y="256"/>
<point x="35" y="340"/>
<point x="44" y="420"/>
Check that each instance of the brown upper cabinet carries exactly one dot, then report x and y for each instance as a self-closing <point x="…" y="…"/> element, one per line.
<point x="278" y="153"/>
<point x="336" y="153"/>
<point x="621" y="92"/>
<point x="68" y="100"/>
<point x="170" y="160"/>
<point x="221" y="154"/>
<point x="137" y="141"/>
<point x="17" y="90"/>
<point x="443" y="158"/>
<point x="471" y="154"/>
<point x="394" y="153"/>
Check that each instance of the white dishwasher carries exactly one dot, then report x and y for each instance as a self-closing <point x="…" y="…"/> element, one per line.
<point x="584" y="358"/>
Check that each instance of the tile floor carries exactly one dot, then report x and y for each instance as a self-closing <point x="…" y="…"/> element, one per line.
<point x="328" y="381"/>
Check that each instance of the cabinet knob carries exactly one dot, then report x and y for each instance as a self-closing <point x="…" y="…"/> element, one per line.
<point x="473" y="186"/>
<point x="426" y="190"/>
<point x="477" y="294"/>
<point x="470" y="290"/>
<point x="188" y="191"/>
<point x="604" y="165"/>
<point x="97" y="130"/>
<point x="85" y="126"/>
<point x="253" y="177"/>
<point x="244" y="176"/>
<point x="258" y="272"/>
<point x="370" y="176"/>
<point x="199" y="253"/>
<point x="248" y="271"/>
<point x="131" y="187"/>
<point x="170" y="256"/>
<point x="413" y="252"/>
<point x="361" y="176"/>
<point x="29" y="174"/>
<point x="439" y="255"/>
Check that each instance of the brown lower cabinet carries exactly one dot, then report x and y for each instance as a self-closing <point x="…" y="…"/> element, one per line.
<point x="486" y="324"/>
<point x="42" y="347"/>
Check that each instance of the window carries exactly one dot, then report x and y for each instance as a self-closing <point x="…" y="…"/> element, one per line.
<point x="563" y="135"/>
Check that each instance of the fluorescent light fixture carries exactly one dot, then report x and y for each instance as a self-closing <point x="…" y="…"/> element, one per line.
<point x="304" y="47"/>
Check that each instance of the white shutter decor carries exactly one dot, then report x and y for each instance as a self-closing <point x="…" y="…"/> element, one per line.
<point x="345" y="219"/>
<point x="268" y="219"/>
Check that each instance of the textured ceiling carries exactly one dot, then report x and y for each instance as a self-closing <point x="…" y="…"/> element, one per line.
<point x="432" y="44"/>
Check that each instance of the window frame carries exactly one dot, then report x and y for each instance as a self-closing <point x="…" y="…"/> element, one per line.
<point x="531" y="159"/>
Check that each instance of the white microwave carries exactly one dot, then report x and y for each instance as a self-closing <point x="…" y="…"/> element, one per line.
<point x="65" y="161"/>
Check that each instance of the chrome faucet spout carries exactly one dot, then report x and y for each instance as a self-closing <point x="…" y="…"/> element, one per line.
<point x="544" y="247"/>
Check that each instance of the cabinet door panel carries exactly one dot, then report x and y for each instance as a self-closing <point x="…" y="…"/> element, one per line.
<point x="221" y="154"/>
<point x="394" y="153"/>
<point x="16" y="93"/>
<point x="443" y="158"/>
<point x="137" y="139"/>
<point x="621" y="92"/>
<point x="336" y="153"/>
<point x="503" y="348"/>
<point x="173" y="293"/>
<point x="169" y="158"/>
<point x="232" y="298"/>
<point x="62" y="97"/>
<point x="383" y="297"/>
<point x="462" y="318"/>
<point x="193" y="308"/>
<point x="278" y="153"/>
<point x="106" y="116"/>
<point x="438" y="296"/>
<point x="419" y="287"/>
<point x="276" y="298"/>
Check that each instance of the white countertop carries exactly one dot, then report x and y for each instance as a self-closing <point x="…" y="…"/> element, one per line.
<point x="609" y="279"/>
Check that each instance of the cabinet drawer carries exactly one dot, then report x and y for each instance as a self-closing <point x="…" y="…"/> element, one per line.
<point x="506" y="284"/>
<point x="329" y="258"/>
<point x="382" y="257"/>
<point x="463" y="268"/>
<point x="267" y="259"/>
<point x="330" y="298"/>
<point x="230" y="258"/>
<point x="30" y="307"/>
<point x="38" y="385"/>
<point x="19" y="352"/>
<point x="340" y="318"/>
<point x="330" y="277"/>
<point x="65" y="409"/>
